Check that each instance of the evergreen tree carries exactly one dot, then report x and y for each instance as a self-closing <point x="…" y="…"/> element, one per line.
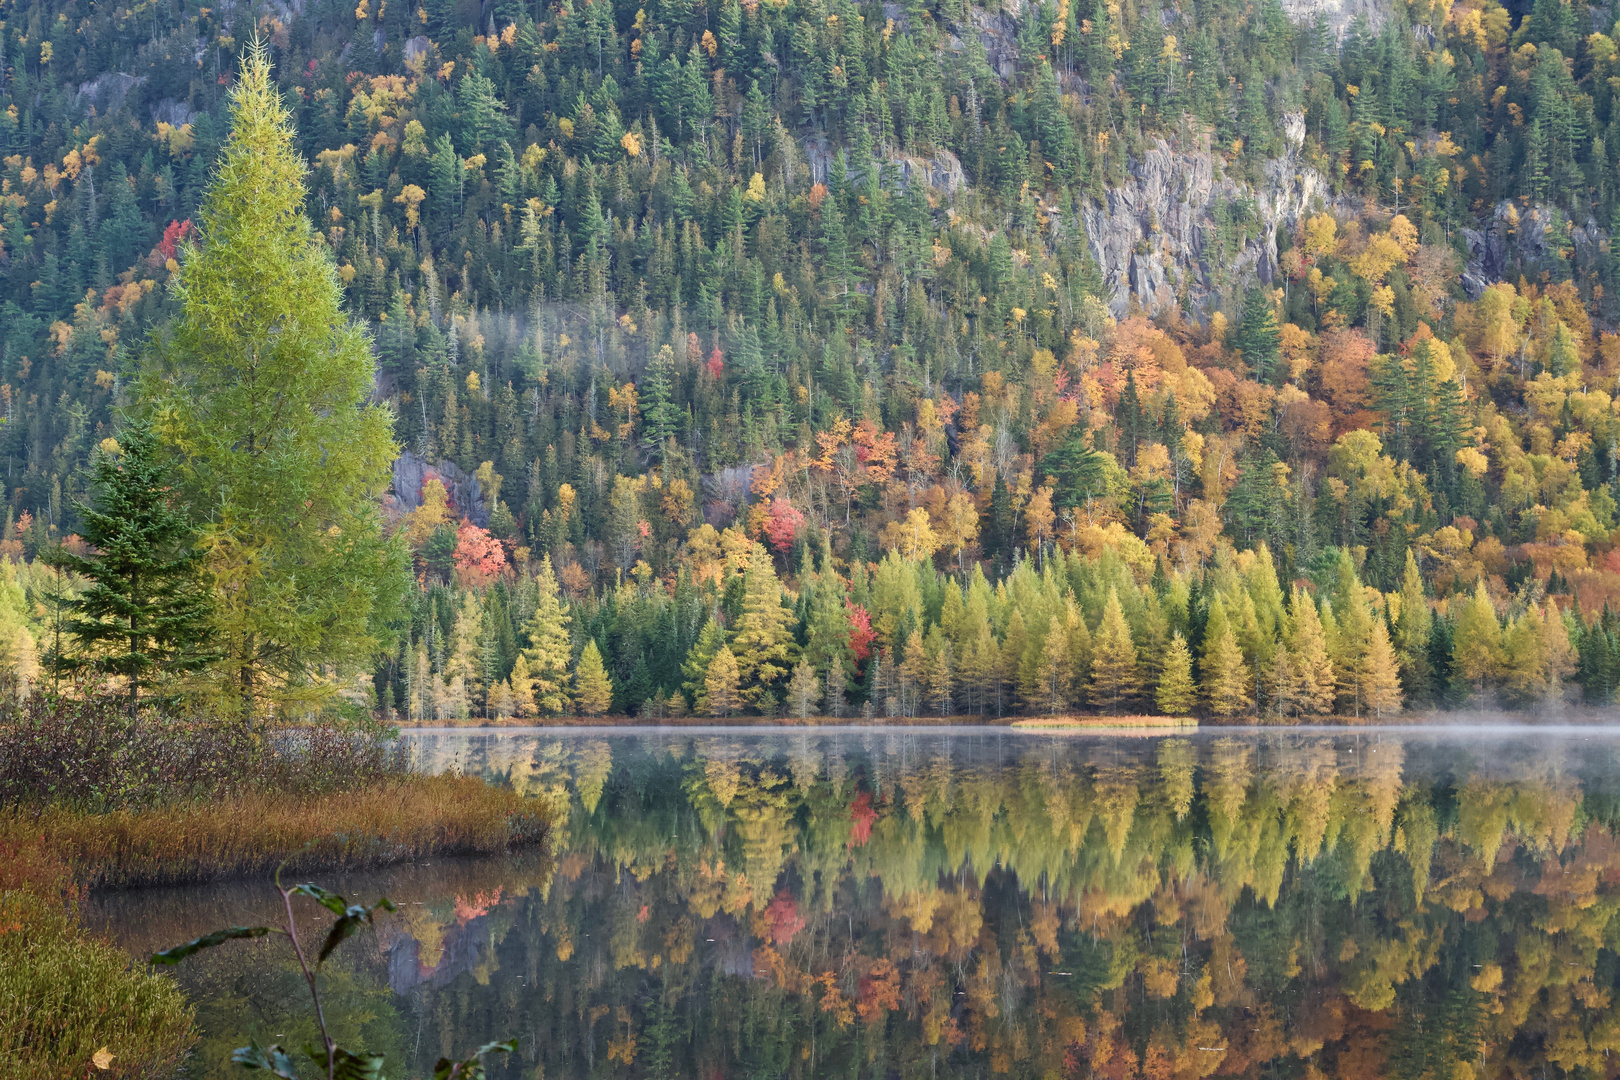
<point x="593" y="689"/>
<point x="1258" y="337"/>
<point x="144" y="616"/>
<point x="262" y="390"/>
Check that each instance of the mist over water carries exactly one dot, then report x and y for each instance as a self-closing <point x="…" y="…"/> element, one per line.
<point x="913" y="902"/>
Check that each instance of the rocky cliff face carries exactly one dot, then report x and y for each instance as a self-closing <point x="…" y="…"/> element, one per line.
<point x="1524" y="242"/>
<point x="1177" y="231"/>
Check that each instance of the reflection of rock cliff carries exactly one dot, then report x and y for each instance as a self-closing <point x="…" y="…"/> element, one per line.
<point x="1177" y="230"/>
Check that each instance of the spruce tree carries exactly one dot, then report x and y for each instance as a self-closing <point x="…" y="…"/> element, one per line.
<point x="263" y="391"/>
<point x="144" y="617"/>
<point x="1258" y="337"/>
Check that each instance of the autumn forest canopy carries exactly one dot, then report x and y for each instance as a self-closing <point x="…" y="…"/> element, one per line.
<point x="807" y="357"/>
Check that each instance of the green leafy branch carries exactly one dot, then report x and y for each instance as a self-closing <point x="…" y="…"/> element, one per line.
<point x="339" y="1064"/>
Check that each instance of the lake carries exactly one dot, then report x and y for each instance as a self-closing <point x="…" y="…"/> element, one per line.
<point x="975" y="903"/>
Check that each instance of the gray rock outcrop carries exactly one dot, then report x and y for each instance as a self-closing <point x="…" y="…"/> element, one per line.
<point x="1158" y="237"/>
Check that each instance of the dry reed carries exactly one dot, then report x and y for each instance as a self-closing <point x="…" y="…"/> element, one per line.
<point x="255" y="831"/>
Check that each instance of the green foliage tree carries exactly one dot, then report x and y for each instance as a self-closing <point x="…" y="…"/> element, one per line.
<point x="262" y="391"/>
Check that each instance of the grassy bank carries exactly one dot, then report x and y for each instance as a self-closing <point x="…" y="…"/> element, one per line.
<point x="91" y="798"/>
<point x="252" y="833"/>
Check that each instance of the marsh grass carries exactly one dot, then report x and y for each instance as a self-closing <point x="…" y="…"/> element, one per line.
<point x="66" y="994"/>
<point x="253" y="832"/>
<point x="1059" y="723"/>
<point x="93" y="798"/>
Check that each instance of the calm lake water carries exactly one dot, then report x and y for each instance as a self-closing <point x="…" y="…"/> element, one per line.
<point x="922" y="904"/>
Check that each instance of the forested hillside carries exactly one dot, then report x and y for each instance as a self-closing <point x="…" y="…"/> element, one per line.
<point x="775" y="329"/>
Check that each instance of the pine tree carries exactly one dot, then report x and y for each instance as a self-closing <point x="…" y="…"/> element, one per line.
<point x="1225" y="676"/>
<point x="1176" y="694"/>
<point x="549" y="645"/>
<point x="804" y="690"/>
<point x="262" y="389"/>
<point x="144" y="615"/>
<point x="593" y="689"/>
<point x="720" y="694"/>
<point x="1114" y="673"/>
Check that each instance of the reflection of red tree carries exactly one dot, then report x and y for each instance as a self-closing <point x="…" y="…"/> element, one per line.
<point x="861" y="817"/>
<point x="783" y="916"/>
<point x="468" y="910"/>
<point x="879" y="992"/>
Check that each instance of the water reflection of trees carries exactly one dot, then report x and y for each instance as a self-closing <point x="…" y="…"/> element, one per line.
<point x="1169" y="908"/>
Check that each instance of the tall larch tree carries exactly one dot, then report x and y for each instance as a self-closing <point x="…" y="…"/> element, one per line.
<point x="1476" y="645"/>
<point x="1114" y="676"/>
<point x="263" y="391"/>
<point x="1380" y="673"/>
<point x="1176" y="695"/>
<point x="549" y="646"/>
<point x="1313" y="670"/>
<point x="763" y="633"/>
<point x="721" y="696"/>
<point x="593" y="688"/>
<point x="1225" y="675"/>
